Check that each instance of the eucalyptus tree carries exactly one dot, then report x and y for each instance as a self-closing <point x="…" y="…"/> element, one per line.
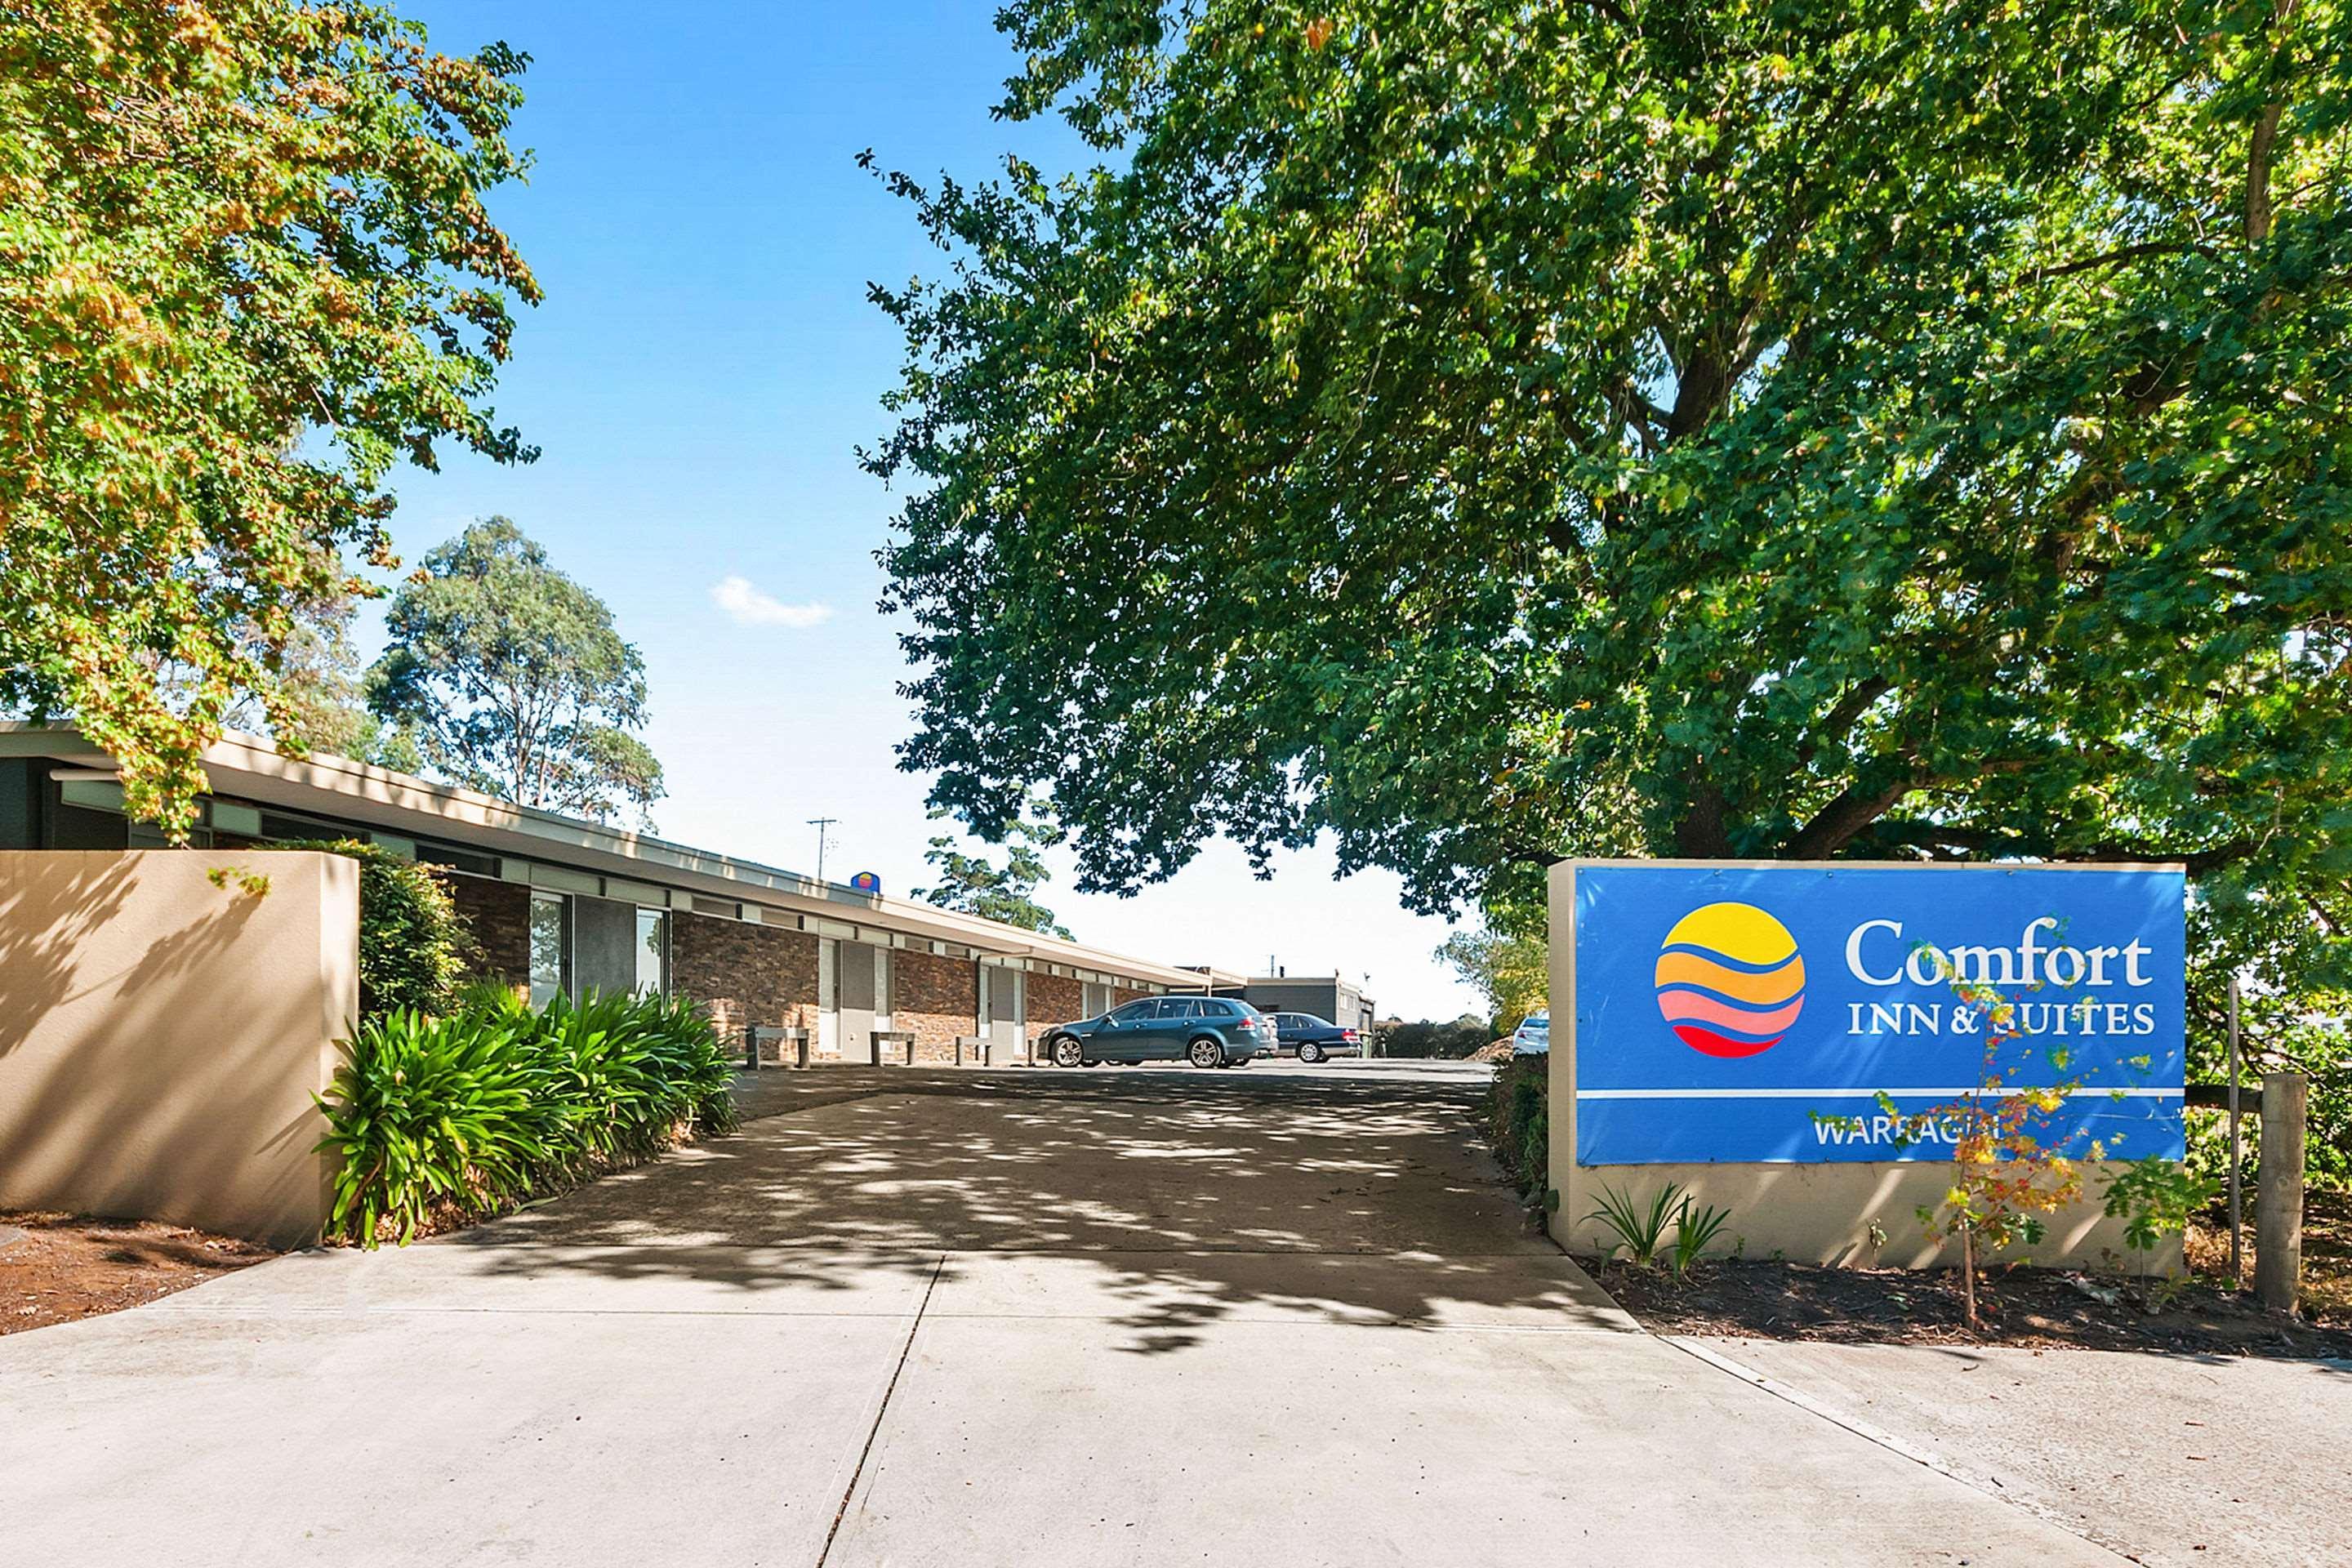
<point x="1007" y="893"/>
<point x="509" y="678"/>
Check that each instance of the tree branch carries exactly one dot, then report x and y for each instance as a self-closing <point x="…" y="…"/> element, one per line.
<point x="2115" y="258"/>
<point x="1855" y="808"/>
<point x="2259" y="150"/>
<point x="1843" y="718"/>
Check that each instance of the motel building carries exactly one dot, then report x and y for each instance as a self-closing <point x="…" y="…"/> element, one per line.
<point x="562" y="906"/>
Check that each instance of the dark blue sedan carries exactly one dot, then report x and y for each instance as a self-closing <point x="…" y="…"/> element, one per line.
<point x="1312" y="1040"/>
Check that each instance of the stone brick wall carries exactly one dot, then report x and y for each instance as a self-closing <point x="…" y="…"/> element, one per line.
<point x="745" y="973"/>
<point x="1121" y="995"/>
<point x="936" y="997"/>
<point x="1053" y="999"/>
<point x="499" y="915"/>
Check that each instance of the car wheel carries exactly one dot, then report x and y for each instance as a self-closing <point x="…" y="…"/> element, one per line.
<point x="1309" y="1052"/>
<point x="1205" y="1052"/>
<point x="1066" y="1052"/>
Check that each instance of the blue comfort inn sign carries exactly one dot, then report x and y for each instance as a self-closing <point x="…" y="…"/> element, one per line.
<point x="1757" y="1013"/>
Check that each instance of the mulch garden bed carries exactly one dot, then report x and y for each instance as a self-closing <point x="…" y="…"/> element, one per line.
<point x="57" y="1267"/>
<point x="2035" y="1308"/>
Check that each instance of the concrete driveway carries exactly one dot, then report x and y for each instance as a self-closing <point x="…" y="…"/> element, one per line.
<point x="1281" y="1316"/>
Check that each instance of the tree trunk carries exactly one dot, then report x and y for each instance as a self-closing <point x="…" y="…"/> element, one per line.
<point x="1969" y="1273"/>
<point x="1700" y="835"/>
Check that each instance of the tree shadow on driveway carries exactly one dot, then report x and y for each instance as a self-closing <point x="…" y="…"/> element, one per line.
<point x="1164" y="1202"/>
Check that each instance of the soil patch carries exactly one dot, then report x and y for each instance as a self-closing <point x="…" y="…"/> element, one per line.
<point x="57" y="1267"/>
<point x="2034" y="1308"/>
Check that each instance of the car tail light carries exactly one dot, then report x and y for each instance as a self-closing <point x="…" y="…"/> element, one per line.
<point x="1347" y="1037"/>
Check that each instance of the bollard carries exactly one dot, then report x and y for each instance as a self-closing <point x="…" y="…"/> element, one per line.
<point x="2278" y="1192"/>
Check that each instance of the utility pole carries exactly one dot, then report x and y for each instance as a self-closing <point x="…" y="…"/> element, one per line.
<point x="820" y="824"/>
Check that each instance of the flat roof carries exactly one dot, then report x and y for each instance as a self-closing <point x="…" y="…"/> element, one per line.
<point x="250" y="767"/>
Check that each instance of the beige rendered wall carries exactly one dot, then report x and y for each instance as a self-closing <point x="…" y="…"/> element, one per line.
<point x="161" y="1037"/>
<point x="1807" y="1213"/>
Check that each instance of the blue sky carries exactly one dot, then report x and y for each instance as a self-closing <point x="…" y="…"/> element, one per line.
<point x="698" y="380"/>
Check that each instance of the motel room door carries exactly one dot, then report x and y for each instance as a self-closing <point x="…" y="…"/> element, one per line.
<point x="1003" y="1010"/>
<point x="863" y="985"/>
<point x="828" y="999"/>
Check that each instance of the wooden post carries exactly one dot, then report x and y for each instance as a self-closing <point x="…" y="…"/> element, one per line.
<point x="2237" y="1208"/>
<point x="2278" y="1192"/>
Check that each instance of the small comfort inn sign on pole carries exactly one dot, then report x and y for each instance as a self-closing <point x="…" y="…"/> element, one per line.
<point x="1740" y="1028"/>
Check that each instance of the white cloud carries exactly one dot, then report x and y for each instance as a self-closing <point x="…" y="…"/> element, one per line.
<point x="749" y="605"/>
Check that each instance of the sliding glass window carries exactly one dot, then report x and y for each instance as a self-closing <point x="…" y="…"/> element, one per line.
<point x="550" y="947"/>
<point x="652" y="952"/>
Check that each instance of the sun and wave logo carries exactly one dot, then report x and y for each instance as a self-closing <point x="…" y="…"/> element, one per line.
<point x="1730" y="980"/>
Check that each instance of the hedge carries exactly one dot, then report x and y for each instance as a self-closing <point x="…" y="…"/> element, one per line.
<point x="414" y="947"/>
<point x="1516" y="1112"/>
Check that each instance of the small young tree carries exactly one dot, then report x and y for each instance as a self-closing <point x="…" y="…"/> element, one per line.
<point x="2005" y="1175"/>
<point x="513" y="680"/>
<point x="2009" y="1169"/>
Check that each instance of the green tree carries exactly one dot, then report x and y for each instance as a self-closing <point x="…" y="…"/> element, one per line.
<point x="320" y="705"/>
<point x="248" y="269"/>
<point x="1510" y="970"/>
<point x="1007" y="893"/>
<point x="1483" y="434"/>
<point x="510" y="679"/>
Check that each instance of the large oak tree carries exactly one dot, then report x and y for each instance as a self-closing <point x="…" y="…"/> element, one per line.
<point x="1489" y="433"/>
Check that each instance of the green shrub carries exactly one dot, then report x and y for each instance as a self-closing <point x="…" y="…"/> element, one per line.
<point x="474" y="1111"/>
<point x="1640" y="1232"/>
<point x="1516" y="1113"/>
<point x="1694" y="1228"/>
<point x="690" y="1058"/>
<point x="1447" y="1042"/>
<point x="431" y="1110"/>
<point x="414" y="948"/>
